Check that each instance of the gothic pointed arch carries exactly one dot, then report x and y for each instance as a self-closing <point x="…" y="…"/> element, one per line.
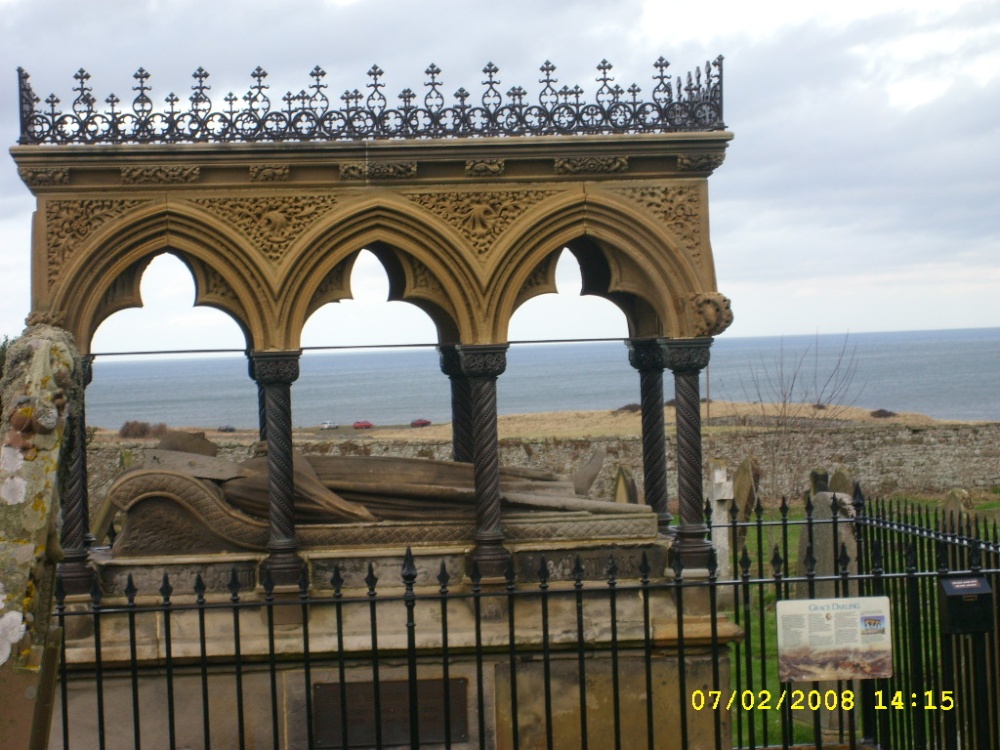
<point x="423" y="260"/>
<point x="103" y="273"/>
<point x="647" y="266"/>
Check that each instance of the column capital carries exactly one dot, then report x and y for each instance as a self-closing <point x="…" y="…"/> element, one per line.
<point x="687" y="356"/>
<point x="482" y="360"/>
<point x="647" y="354"/>
<point x="451" y="363"/>
<point x="270" y="368"/>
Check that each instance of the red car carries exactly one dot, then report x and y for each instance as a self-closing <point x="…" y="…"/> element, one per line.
<point x="420" y="422"/>
<point x="363" y="424"/>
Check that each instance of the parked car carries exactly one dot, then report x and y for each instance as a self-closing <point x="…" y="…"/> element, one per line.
<point x="363" y="424"/>
<point x="227" y="428"/>
<point x="329" y="426"/>
<point x="420" y="422"/>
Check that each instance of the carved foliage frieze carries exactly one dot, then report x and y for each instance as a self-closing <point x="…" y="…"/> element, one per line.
<point x="484" y="167"/>
<point x="43" y="176"/>
<point x="679" y="208"/>
<point x="159" y="175"/>
<point x="377" y="170"/>
<point x="480" y="217"/>
<point x="703" y="162"/>
<point x="269" y="172"/>
<point x="271" y="223"/>
<point x="592" y="165"/>
<point x="68" y="223"/>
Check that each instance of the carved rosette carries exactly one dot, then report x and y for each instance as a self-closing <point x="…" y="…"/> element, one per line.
<point x="43" y="177"/>
<point x="272" y="223"/>
<point x="377" y="170"/>
<point x="703" y="162"/>
<point x="269" y="172"/>
<point x="159" y="175"/>
<point x="69" y="223"/>
<point x="592" y="165"/>
<point x="480" y="217"/>
<point x="711" y="313"/>
<point x="485" y="167"/>
<point x="679" y="208"/>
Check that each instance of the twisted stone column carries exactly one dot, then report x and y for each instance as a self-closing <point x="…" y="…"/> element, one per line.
<point x="76" y="573"/>
<point x="275" y="372"/>
<point x="686" y="358"/>
<point x="261" y="411"/>
<point x="481" y="365"/>
<point x="649" y="357"/>
<point x="461" y="403"/>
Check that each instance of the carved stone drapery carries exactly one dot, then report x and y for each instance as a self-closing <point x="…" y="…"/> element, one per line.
<point x="649" y="357"/>
<point x="686" y="358"/>
<point x="481" y="366"/>
<point x="275" y="372"/>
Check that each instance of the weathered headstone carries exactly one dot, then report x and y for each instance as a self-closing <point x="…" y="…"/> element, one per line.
<point x="842" y="482"/>
<point x="828" y="540"/>
<point x="720" y="496"/>
<point x="956" y="509"/>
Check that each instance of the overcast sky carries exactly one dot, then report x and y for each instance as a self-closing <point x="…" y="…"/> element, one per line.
<point x="861" y="191"/>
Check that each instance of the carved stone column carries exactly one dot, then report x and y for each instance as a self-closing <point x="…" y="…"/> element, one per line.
<point x="76" y="573"/>
<point x="649" y="357"/>
<point x="461" y="403"/>
<point x="261" y="412"/>
<point x="686" y="358"/>
<point x="481" y="365"/>
<point x="275" y="372"/>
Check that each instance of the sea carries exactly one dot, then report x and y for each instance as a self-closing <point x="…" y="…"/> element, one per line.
<point x="946" y="374"/>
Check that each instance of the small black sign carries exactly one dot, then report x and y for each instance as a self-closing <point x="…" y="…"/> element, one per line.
<point x="358" y="709"/>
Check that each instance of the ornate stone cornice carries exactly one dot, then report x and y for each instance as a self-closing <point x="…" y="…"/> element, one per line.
<point x="377" y="170"/>
<point x="711" y="313"/>
<point x="275" y="368"/>
<point x="687" y="356"/>
<point x="160" y="175"/>
<point x="271" y="222"/>
<point x="592" y="165"/>
<point x="482" y="360"/>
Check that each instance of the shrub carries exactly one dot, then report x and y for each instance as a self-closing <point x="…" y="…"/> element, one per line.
<point x="883" y="414"/>
<point x="133" y="429"/>
<point x="630" y="408"/>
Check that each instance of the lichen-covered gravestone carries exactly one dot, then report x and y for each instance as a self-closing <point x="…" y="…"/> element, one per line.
<point x="38" y="385"/>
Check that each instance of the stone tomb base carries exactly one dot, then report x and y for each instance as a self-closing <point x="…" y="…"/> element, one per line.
<point x="340" y="637"/>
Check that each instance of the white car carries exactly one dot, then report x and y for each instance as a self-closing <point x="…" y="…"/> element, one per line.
<point x="329" y="426"/>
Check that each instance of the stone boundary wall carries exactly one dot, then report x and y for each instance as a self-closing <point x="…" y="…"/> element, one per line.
<point x="886" y="459"/>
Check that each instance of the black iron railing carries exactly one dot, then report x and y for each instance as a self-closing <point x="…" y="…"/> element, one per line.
<point x="337" y="649"/>
<point x="686" y="103"/>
